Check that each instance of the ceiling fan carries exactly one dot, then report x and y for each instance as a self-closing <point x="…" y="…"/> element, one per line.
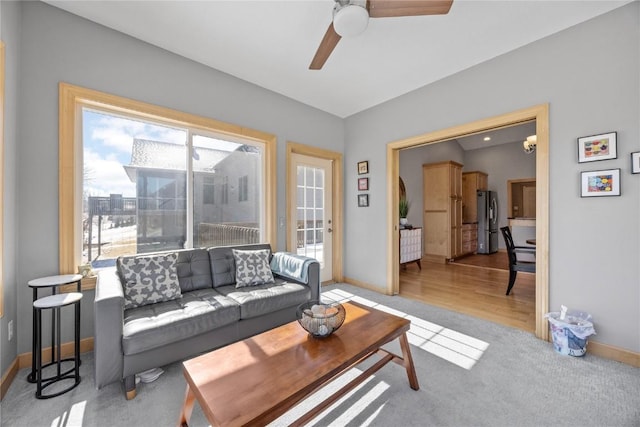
<point x="350" y="18"/>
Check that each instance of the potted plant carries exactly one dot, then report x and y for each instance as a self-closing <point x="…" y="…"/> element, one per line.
<point x="404" y="210"/>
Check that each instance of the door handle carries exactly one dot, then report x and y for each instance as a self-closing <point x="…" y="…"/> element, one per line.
<point x="329" y="230"/>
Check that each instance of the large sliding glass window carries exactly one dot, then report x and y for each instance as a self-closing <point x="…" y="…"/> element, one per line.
<point x="150" y="186"/>
<point x="215" y="163"/>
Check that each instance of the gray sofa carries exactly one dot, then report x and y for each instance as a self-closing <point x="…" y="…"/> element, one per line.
<point x="211" y="313"/>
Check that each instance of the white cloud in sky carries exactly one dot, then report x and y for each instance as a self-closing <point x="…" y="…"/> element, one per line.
<point x="111" y="141"/>
<point x="116" y="132"/>
<point x="105" y="176"/>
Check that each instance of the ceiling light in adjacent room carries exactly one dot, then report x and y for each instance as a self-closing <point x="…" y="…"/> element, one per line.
<point x="530" y="144"/>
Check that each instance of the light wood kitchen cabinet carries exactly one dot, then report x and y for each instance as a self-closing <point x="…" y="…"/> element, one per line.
<point x="471" y="183"/>
<point x="469" y="238"/>
<point x="442" y="213"/>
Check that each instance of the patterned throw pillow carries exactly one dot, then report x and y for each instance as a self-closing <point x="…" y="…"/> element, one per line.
<point x="149" y="279"/>
<point x="252" y="267"/>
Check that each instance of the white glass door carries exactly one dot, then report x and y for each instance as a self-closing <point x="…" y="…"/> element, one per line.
<point x="311" y="227"/>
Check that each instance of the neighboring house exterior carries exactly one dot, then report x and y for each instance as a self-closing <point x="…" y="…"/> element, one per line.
<point x="224" y="191"/>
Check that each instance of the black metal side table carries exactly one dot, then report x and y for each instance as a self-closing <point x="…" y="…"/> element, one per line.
<point x="55" y="303"/>
<point x="53" y="282"/>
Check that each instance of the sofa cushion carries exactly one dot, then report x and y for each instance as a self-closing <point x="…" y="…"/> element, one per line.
<point x="155" y="325"/>
<point x="223" y="266"/>
<point x="252" y="267"/>
<point x="194" y="270"/>
<point x="263" y="299"/>
<point x="149" y="279"/>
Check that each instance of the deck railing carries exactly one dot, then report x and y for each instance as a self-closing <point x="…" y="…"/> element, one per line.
<point x="113" y="205"/>
<point x="227" y="234"/>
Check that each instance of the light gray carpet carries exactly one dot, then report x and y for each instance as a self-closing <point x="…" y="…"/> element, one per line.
<point x="517" y="380"/>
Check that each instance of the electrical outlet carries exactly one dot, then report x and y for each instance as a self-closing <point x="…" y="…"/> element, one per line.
<point x="10" y="327"/>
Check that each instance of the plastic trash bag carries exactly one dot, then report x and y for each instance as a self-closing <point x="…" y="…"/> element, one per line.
<point x="570" y="330"/>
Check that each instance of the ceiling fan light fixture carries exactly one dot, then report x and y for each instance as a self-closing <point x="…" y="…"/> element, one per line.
<point x="350" y="20"/>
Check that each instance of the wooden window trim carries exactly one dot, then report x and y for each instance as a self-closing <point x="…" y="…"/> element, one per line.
<point x="71" y="99"/>
<point x="2" y="205"/>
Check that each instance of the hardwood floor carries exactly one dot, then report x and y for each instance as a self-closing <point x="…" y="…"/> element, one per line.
<point x="499" y="260"/>
<point x="477" y="290"/>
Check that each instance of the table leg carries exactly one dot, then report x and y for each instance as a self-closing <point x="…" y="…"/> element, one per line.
<point x="32" y="376"/>
<point x="37" y="350"/>
<point x="77" y="342"/>
<point x="187" y="408"/>
<point x="408" y="361"/>
<point x="58" y="343"/>
<point x="53" y="329"/>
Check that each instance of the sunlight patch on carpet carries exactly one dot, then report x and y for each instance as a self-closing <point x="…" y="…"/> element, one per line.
<point x="73" y="418"/>
<point x="364" y="400"/>
<point x="362" y="404"/>
<point x="452" y="346"/>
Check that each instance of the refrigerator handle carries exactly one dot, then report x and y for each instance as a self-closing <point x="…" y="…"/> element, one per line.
<point x="492" y="211"/>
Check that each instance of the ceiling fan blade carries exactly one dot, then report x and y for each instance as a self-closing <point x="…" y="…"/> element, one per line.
<point x="395" y="8"/>
<point x="328" y="43"/>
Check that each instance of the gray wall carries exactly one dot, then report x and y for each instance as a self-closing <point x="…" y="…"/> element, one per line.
<point x="10" y="35"/>
<point x="411" y="161"/>
<point x="589" y="76"/>
<point x="61" y="47"/>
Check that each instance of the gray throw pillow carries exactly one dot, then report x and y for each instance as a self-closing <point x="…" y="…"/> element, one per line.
<point x="252" y="267"/>
<point x="149" y="279"/>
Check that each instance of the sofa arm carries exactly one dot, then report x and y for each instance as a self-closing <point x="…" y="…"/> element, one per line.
<point x="299" y="268"/>
<point x="314" y="280"/>
<point x="108" y="325"/>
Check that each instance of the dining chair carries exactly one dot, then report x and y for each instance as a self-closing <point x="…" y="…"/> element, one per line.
<point x="516" y="265"/>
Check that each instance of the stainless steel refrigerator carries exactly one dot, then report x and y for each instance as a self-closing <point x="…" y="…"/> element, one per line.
<point x="487" y="222"/>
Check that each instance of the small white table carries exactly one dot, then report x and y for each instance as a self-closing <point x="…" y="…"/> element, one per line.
<point x="52" y="282"/>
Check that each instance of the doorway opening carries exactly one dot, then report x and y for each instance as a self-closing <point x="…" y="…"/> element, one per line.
<point x="539" y="114"/>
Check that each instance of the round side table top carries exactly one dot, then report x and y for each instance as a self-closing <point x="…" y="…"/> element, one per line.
<point x="58" y="300"/>
<point x="63" y="279"/>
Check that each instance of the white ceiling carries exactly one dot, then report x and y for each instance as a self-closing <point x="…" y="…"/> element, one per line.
<point x="517" y="133"/>
<point x="271" y="42"/>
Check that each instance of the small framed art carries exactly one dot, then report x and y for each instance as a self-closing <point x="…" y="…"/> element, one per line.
<point x="363" y="167"/>
<point x="597" y="147"/>
<point x="600" y="183"/>
<point x="363" y="184"/>
<point x="635" y="162"/>
<point x="363" y="200"/>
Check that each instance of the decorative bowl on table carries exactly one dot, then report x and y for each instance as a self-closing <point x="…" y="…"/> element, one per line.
<point x="320" y="319"/>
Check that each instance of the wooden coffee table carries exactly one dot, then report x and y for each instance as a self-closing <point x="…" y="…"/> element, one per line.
<point x="253" y="382"/>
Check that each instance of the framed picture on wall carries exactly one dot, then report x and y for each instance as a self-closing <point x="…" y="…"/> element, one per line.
<point x="600" y="183"/>
<point x="635" y="162"/>
<point x="363" y="184"/>
<point x="363" y="167"/>
<point x="597" y="147"/>
<point x="363" y="200"/>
